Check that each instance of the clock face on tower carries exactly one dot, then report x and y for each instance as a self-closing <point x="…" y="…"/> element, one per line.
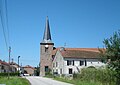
<point x="46" y="46"/>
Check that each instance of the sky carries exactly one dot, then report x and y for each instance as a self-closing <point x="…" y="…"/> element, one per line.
<point x="78" y="23"/>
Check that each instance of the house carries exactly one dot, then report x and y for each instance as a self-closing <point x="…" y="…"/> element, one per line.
<point x="5" y="67"/>
<point x="71" y="60"/>
<point x="28" y="70"/>
<point x="18" y="68"/>
<point x="65" y="60"/>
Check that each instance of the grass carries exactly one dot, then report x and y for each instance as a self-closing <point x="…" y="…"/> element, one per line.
<point x="14" y="81"/>
<point x="77" y="82"/>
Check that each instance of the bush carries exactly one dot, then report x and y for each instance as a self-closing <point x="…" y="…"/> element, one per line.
<point x="96" y="75"/>
<point x="11" y="74"/>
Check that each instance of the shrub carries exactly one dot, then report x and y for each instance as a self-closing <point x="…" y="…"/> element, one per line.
<point x="11" y="74"/>
<point x="96" y="75"/>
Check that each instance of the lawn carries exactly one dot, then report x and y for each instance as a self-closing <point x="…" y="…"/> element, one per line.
<point x="14" y="81"/>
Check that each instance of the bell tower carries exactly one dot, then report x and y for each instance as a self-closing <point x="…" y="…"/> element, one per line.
<point x="46" y="48"/>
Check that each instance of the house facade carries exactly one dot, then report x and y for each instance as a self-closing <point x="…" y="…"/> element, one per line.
<point x="28" y="70"/>
<point x="72" y="60"/>
<point x="5" y="67"/>
<point x="18" y="67"/>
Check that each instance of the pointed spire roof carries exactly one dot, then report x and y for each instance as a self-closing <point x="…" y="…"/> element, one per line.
<point x="47" y="34"/>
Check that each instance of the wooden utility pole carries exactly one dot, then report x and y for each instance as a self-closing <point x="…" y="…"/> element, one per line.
<point x="18" y="66"/>
<point x="9" y="63"/>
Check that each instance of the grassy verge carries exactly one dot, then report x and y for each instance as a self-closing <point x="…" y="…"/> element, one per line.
<point x="77" y="82"/>
<point x="14" y="81"/>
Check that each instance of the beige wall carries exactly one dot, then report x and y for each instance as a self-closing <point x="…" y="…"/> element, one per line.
<point x="30" y="71"/>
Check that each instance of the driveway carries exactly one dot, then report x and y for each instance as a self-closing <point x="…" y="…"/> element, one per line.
<point x="44" y="81"/>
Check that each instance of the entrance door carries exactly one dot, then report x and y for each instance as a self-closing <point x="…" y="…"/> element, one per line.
<point x="46" y="69"/>
<point x="70" y="70"/>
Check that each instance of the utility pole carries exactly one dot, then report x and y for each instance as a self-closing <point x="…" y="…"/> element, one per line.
<point x="18" y="65"/>
<point x="12" y="60"/>
<point x="9" y="63"/>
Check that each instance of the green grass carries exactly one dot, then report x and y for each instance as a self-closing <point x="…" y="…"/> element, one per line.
<point x="14" y="81"/>
<point x="78" y="82"/>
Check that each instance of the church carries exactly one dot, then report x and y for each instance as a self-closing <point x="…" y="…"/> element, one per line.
<point x="65" y="61"/>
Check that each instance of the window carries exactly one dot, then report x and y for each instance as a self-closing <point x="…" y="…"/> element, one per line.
<point x="53" y="57"/>
<point x="56" y="64"/>
<point x="70" y="62"/>
<point x="46" y="69"/>
<point x="73" y="62"/>
<point x="81" y="63"/>
<point x="53" y="64"/>
<point x="70" y="70"/>
<point x="85" y="62"/>
<point x="60" y="71"/>
<point x="46" y="49"/>
<point x="57" y="70"/>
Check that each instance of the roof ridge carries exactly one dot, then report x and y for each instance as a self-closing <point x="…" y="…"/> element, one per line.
<point x="83" y="49"/>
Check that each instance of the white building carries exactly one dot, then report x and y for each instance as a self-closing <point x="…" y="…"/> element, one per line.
<point x="71" y="60"/>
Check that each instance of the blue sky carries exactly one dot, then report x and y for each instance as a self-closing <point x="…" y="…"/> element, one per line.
<point x="78" y="23"/>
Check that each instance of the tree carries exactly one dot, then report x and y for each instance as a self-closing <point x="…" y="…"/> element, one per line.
<point x="112" y="53"/>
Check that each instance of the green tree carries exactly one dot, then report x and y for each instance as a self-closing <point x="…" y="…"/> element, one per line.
<point x="112" y="53"/>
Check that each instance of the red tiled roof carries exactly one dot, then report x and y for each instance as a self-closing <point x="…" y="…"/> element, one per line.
<point x="28" y="66"/>
<point x="80" y="53"/>
<point x="4" y="63"/>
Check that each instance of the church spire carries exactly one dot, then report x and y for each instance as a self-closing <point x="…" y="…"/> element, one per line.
<point x="47" y="35"/>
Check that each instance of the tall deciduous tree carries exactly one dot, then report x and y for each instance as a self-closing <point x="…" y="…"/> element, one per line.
<point x="112" y="53"/>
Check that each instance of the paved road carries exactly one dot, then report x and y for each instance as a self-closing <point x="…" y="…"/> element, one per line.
<point x="44" y="81"/>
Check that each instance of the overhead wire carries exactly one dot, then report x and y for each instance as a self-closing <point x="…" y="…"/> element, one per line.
<point x="3" y="27"/>
<point x="4" y="23"/>
<point x="7" y="25"/>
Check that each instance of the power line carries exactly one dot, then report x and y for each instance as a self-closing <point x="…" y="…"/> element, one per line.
<point x="3" y="27"/>
<point x="7" y="21"/>
<point x="3" y="23"/>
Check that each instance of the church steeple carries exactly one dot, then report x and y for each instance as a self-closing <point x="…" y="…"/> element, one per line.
<point x="46" y="49"/>
<point x="47" y="34"/>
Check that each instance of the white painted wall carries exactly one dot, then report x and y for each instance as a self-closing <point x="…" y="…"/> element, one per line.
<point x="90" y="62"/>
<point x="62" y="64"/>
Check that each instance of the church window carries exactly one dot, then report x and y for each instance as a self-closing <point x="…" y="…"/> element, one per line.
<point x="46" y="49"/>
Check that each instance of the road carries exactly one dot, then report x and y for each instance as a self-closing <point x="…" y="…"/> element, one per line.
<point x="44" y="81"/>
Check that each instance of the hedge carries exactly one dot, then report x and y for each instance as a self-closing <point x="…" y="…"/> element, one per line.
<point x="11" y="74"/>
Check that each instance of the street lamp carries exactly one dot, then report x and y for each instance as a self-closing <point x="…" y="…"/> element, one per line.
<point x="18" y="65"/>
